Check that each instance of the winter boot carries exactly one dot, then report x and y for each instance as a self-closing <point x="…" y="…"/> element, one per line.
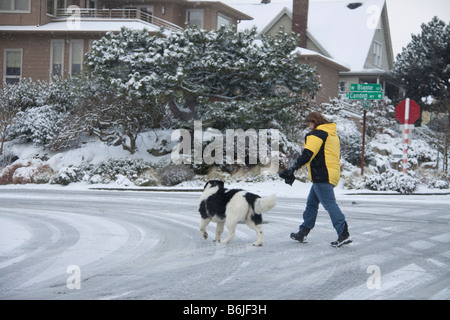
<point x="301" y="234"/>
<point x="344" y="238"/>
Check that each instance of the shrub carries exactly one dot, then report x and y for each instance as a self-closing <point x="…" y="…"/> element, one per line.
<point x="173" y="175"/>
<point x="68" y="175"/>
<point x="131" y="168"/>
<point x="392" y="180"/>
<point x="25" y="171"/>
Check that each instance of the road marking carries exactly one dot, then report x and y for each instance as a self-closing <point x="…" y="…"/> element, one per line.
<point x="242" y="266"/>
<point x="392" y="284"/>
<point x="421" y="244"/>
<point x="445" y="237"/>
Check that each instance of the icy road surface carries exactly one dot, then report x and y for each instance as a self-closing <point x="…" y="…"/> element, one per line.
<point x="85" y="244"/>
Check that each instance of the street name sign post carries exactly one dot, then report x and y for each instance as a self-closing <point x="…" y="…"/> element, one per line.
<point x="365" y="87"/>
<point x="365" y="95"/>
<point x="365" y="92"/>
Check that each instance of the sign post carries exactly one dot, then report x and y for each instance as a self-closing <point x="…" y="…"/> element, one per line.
<point x="363" y="142"/>
<point x="407" y="112"/>
<point x="365" y="92"/>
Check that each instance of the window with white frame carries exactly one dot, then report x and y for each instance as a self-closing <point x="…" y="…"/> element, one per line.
<point x="12" y="65"/>
<point x="377" y="50"/>
<point x="15" y="6"/>
<point x="223" y="21"/>
<point x="195" y="17"/>
<point x="57" y="58"/>
<point x="76" y="56"/>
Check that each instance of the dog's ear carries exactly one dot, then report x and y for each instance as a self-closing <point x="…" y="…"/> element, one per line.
<point x="206" y="185"/>
<point x="220" y="184"/>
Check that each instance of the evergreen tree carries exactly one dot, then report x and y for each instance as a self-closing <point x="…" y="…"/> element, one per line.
<point x="195" y="67"/>
<point x="424" y="65"/>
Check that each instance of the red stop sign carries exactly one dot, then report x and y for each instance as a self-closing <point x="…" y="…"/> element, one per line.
<point x="414" y="112"/>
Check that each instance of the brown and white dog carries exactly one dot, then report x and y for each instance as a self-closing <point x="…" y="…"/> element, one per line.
<point x="228" y="207"/>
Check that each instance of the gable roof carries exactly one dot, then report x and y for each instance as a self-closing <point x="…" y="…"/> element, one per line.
<point x="264" y="15"/>
<point x="341" y="33"/>
<point x="345" y="33"/>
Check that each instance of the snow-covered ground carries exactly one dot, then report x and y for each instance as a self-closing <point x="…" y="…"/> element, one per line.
<point x="77" y="243"/>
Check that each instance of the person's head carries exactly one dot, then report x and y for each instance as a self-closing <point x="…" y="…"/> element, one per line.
<point x="315" y="119"/>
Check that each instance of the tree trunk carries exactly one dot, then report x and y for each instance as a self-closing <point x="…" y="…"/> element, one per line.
<point x="185" y="112"/>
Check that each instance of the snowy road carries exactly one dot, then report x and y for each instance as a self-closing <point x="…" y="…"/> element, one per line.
<point x="146" y="245"/>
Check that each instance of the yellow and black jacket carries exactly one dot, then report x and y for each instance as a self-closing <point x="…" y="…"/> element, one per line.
<point x="321" y="154"/>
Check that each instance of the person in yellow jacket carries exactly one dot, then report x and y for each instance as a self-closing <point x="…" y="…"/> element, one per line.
<point x="321" y="154"/>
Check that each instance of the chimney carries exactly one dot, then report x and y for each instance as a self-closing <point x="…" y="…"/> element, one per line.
<point x="300" y="19"/>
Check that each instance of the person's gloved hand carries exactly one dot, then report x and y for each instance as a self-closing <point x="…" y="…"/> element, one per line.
<point x="288" y="176"/>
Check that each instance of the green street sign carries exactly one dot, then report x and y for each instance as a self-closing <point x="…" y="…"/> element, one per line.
<point x="366" y="104"/>
<point x="365" y="87"/>
<point x="365" y="95"/>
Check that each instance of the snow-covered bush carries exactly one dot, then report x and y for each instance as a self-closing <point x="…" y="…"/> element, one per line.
<point x="111" y="168"/>
<point x="68" y="175"/>
<point x="173" y="175"/>
<point x="38" y="125"/>
<point x="22" y="95"/>
<point x="421" y="151"/>
<point x="147" y="178"/>
<point x="40" y="108"/>
<point x="440" y="184"/>
<point x="392" y="180"/>
<point x="25" y="171"/>
<point x="63" y="94"/>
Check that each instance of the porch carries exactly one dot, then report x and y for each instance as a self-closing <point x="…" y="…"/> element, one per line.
<point x="74" y="12"/>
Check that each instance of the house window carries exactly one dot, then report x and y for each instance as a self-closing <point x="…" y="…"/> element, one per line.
<point x="223" y="21"/>
<point x="91" y="4"/>
<point x="57" y="58"/>
<point x="54" y="5"/>
<point x="12" y="65"/>
<point x="15" y="5"/>
<point x="142" y="12"/>
<point x="343" y="87"/>
<point x="76" y="56"/>
<point x="377" y="49"/>
<point x="195" y="18"/>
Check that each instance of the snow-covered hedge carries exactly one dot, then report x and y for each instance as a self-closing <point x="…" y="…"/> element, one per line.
<point x="26" y="171"/>
<point x="392" y="180"/>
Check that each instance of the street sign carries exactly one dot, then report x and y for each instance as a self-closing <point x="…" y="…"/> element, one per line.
<point x="366" y="104"/>
<point x="365" y="87"/>
<point x="365" y="95"/>
<point x="365" y="92"/>
<point x="407" y="115"/>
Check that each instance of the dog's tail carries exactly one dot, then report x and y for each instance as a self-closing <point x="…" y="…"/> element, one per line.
<point x="265" y="204"/>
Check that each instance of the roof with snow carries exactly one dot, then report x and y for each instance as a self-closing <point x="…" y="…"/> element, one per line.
<point x="344" y="31"/>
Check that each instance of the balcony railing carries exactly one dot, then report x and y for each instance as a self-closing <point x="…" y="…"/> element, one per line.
<point x="132" y="14"/>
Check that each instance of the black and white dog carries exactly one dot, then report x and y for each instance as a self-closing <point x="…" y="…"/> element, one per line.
<point x="228" y="207"/>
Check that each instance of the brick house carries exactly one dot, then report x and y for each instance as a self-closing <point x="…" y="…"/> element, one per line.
<point x="42" y="39"/>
